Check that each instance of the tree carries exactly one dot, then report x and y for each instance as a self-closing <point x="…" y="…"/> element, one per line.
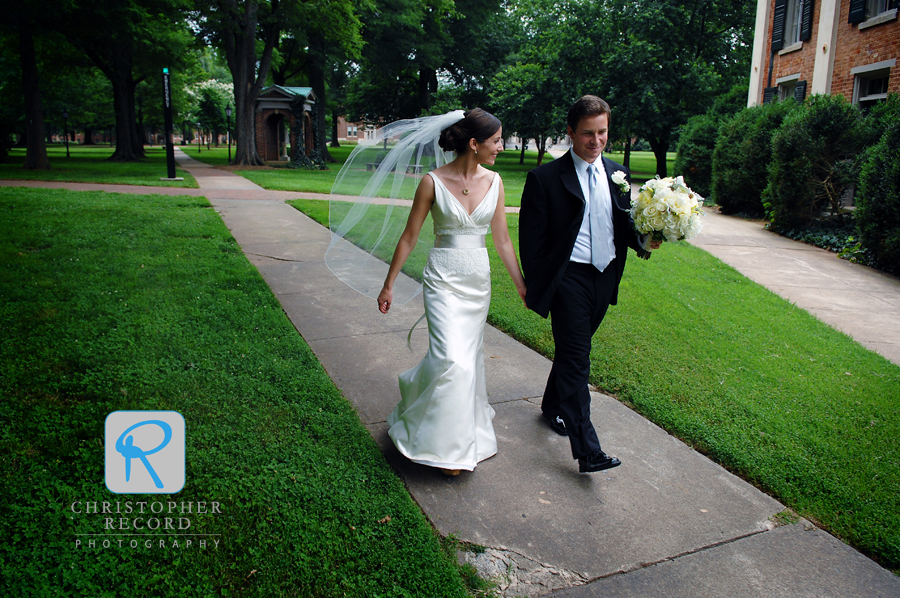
<point x="137" y="39"/>
<point x="657" y="63"/>
<point x="482" y="36"/>
<point x="405" y="41"/>
<point x="246" y="31"/>
<point x="26" y="20"/>
<point x="527" y="100"/>
<point x="326" y="36"/>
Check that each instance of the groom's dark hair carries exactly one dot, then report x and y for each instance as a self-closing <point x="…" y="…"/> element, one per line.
<point x="586" y="106"/>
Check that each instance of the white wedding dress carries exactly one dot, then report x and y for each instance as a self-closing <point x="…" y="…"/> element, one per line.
<point x="443" y="418"/>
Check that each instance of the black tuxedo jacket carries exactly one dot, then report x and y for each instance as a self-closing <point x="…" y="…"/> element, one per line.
<point x="550" y="217"/>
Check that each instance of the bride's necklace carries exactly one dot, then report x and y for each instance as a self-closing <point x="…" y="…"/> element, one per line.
<point x="465" y="182"/>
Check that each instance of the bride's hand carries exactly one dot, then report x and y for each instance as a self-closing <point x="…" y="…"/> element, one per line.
<point x="385" y="298"/>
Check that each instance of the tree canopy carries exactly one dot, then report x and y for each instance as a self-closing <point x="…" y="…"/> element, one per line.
<point x="657" y="62"/>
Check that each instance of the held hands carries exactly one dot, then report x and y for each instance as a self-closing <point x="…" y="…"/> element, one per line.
<point x="385" y="298"/>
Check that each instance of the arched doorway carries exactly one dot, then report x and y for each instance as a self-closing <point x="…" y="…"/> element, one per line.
<point x="276" y="133"/>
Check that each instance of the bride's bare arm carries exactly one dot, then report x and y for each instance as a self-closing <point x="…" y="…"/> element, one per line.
<point x="503" y="244"/>
<point x="421" y="204"/>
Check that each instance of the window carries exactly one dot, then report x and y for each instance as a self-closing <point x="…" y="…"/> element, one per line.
<point x="789" y="86"/>
<point x="871" y="89"/>
<point x="786" y="90"/>
<point x="869" y="13"/>
<point x="876" y="7"/>
<point x="870" y="83"/>
<point x="792" y="22"/>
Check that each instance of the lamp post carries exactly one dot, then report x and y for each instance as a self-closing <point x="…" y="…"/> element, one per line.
<point x="199" y="138"/>
<point x="65" y="114"/>
<point x="228" y="130"/>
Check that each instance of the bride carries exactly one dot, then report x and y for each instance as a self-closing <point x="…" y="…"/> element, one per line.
<point x="443" y="419"/>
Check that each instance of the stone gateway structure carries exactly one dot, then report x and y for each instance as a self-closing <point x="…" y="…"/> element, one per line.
<point x="286" y="121"/>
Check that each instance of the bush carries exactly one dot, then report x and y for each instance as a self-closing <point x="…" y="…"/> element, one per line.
<point x="698" y="139"/>
<point x="880" y="118"/>
<point x="740" y="160"/>
<point x="812" y="164"/>
<point x="878" y="201"/>
<point x="694" y="159"/>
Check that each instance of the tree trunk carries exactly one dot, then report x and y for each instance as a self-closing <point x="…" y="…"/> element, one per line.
<point x="137" y="140"/>
<point x="36" y="148"/>
<point x="428" y="85"/>
<point x="239" y="42"/>
<point x="128" y="146"/>
<point x="522" y="153"/>
<point x="659" y="148"/>
<point x="88" y="136"/>
<point x="245" y="153"/>
<point x="334" y="128"/>
<point x="541" y="143"/>
<point x="317" y="82"/>
<point x="626" y="161"/>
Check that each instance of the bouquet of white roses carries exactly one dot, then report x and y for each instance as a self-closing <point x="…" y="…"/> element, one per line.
<point x="667" y="209"/>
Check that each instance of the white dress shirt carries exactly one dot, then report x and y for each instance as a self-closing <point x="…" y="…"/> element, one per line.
<point x="582" y="250"/>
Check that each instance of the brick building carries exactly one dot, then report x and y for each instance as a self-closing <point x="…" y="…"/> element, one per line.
<point x="284" y="118"/>
<point x="847" y="47"/>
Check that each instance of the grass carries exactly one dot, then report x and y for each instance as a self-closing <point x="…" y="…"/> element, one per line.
<point x="112" y="302"/>
<point x="798" y="409"/>
<point x="514" y="174"/>
<point x="643" y="164"/>
<point x="291" y="179"/>
<point x="90" y="164"/>
<point x="215" y="156"/>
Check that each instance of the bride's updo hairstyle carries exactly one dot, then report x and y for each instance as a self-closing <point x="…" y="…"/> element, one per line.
<point x="476" y="124"/>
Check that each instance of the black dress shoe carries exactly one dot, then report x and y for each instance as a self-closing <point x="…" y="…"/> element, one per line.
<point x="597" y="461"/>
<point x="556" y="424"/>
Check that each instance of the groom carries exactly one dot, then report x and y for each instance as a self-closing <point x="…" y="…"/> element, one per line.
<point x="574" y="232"/>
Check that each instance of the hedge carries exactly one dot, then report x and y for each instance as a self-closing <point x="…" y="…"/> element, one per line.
<point x="813" y="161"/>
<point x="741" y="157"/>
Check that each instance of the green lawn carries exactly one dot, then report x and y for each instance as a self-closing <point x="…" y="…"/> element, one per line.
<point x="90" y="164"/>
<point x="643" y="164"/>
<point x="216" y="156"/>
<point x="800" y="410"/>
<point x="127" y="302"/>
<point x="309" y="181"/>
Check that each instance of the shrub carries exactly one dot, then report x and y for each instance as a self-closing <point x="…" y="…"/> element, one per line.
<point x="880" y="118"/>
<point x="698" y="138"/>
<point x="878" y="201"/>
<point x="741" y="157"/>
<point x="813" y="161"/>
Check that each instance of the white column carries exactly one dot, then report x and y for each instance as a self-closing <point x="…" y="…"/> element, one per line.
<point x="761" y="44"/>
<point x="829" y="13"/>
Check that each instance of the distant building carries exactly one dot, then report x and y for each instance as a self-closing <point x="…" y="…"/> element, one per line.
<point x="354" y="131"/>
<point x="846" y="47"/>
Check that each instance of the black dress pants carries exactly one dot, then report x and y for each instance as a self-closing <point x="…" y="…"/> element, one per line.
<point x="577" y="309"/>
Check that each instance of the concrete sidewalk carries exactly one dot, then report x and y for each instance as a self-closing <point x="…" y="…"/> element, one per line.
<point x="668" y="522"/>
